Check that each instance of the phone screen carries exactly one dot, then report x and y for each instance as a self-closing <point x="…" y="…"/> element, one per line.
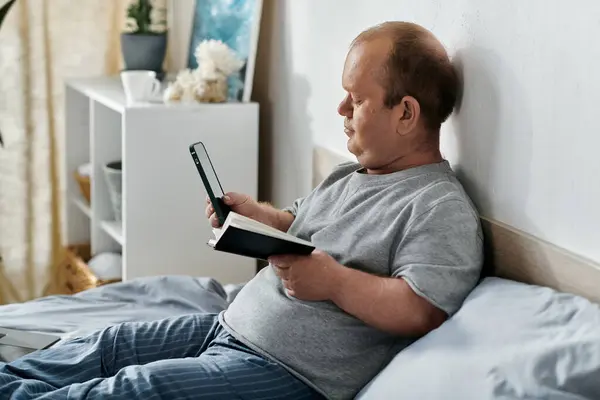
<point x="208" y="169"/>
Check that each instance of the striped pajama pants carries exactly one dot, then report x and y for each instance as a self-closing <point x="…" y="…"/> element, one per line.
<point x="186" y="357"/>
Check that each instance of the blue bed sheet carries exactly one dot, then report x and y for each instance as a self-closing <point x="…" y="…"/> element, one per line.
<point x="142" y="299"/>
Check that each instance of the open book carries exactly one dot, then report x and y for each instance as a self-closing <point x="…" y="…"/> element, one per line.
<point x="246" y="237"/>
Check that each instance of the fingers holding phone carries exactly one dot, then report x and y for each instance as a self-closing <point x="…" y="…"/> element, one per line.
<point x="243" y="204"/>
<point x="239" y="203"/>
<point x="211" y="214"/>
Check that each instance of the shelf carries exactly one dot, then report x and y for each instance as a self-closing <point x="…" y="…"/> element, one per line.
<point x="108" y="91"/>
<point x="100" y="127"/>
<point x="114" y="230"/>
<point x="83" y="206"/>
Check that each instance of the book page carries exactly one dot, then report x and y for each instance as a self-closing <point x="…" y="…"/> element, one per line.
<point x="251" y="225"/>
<point x="258" y="226"/>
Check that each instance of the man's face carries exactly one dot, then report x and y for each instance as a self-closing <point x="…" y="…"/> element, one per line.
<point x="371" y="127"/>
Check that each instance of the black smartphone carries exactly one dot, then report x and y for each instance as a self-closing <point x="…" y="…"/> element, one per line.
<point x="213" y="187"/>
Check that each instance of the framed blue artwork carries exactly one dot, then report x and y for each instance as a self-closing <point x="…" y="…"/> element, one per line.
<point x="236" y="23"/>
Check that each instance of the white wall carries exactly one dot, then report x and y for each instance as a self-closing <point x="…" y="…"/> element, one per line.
<point x="525" y="140"/>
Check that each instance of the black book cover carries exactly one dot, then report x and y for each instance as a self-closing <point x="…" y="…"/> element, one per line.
<point x="257" y="245"/>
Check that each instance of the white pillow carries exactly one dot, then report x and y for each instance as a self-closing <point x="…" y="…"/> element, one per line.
<point x="508" y="341"/>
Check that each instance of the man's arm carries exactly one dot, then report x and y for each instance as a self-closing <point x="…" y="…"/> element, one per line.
<point x="278" y="219"/>
<point x="436" y="264"/>
<point x="282" y="219"/>
<point x="388" y="304"/>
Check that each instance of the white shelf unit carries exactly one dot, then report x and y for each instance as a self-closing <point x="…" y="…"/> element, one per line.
<point x="163" y="229"/>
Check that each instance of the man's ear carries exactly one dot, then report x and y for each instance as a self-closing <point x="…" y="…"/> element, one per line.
<point x="407" y="115"/>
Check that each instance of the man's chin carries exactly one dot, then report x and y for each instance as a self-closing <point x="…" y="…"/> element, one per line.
<point x="355" y="150"/>
<point x="352" y="148"/>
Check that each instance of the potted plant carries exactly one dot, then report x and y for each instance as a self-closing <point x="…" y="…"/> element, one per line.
<point x="144" y="42"/>
<point x="3" y="12"/>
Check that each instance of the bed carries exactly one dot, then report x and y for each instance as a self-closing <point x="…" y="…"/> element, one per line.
<point x="143" y="299"/>
<point x="529" y="330"/>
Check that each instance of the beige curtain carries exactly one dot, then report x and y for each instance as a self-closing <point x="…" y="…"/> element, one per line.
<point x="41" y="43"/>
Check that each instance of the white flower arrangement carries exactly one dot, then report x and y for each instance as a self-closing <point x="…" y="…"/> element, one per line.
<point x="214" y="56"/>
<point x="184" y="88"/>
<point x="208" y="82"/>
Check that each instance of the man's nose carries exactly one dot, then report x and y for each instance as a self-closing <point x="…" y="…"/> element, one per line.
<point x="343" y="109"/>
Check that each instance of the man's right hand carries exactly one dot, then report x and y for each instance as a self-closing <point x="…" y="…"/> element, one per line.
<point x="239" y="203"/>
<point x="248" y="207"/>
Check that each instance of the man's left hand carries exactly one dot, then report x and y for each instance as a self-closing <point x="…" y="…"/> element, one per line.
<point x="312" y="278"/>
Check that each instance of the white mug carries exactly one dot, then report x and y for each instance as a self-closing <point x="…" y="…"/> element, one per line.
<point x="140" y="86"/>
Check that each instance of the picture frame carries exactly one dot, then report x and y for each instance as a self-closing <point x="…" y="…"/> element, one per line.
<point x="237" y="24"/>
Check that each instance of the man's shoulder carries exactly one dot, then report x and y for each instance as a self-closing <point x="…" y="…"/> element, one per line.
<point x="420" y="189"/>
<point x="346" y="168"/>
<point x="340" y="171"/>
<point x="442" y="189"/>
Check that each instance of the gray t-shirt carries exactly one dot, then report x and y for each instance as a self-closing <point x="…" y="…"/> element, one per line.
<point x="417" y="224"/>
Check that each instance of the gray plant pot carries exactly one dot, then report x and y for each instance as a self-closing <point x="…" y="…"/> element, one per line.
<point x="113" y="174"/>
<point x="144" y="51"/>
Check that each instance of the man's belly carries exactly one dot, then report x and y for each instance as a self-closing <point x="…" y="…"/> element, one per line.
<point x="317" y="340"/>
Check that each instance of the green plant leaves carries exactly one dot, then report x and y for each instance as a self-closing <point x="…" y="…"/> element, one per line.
<point x="140" y="11"/>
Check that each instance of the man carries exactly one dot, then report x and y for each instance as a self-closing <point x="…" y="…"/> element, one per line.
<point x="399" y="248"/>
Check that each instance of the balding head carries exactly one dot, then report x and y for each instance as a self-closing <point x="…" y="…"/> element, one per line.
<point x="400" y="88"/>
<point x="417" y="65"/>
<point x="400" y="30"/>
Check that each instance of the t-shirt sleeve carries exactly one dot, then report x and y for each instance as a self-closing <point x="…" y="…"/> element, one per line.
<point x="293" y="209"/>
<point x="440" y="254"/>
